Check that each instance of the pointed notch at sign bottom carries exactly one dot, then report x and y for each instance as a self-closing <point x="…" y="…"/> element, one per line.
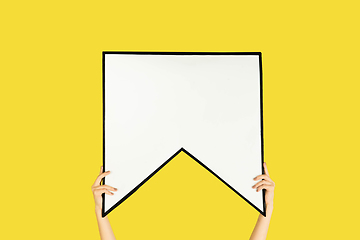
<point x="263" y="212"/>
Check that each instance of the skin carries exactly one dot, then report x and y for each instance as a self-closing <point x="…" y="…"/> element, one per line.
<point x="262" y="224"/>
<point x="260" y="229"/>
<point x="105" y="230"/>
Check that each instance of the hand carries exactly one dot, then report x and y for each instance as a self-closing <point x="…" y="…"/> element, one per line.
<point x="98" y="189"/>
<point x="267" y="184"/>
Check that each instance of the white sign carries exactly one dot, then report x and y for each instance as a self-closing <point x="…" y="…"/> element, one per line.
<point x="157" y="104"/>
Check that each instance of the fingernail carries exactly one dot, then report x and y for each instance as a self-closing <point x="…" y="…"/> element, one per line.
<point x="115" y="189"/>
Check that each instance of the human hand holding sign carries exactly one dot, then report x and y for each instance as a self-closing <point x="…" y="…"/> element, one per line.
<point x="262" y="224"/>
<point x="98" y="189"/>
<point x="267" y="184"/>
<point x="105" y="230"/>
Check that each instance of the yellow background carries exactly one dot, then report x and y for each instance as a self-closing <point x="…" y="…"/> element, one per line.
<point x="51" y="117"/>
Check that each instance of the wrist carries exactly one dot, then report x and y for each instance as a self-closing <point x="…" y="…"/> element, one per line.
<point x="269" y="209"/>
<point x="270" y="205"/>
<point x="98" y="209"/>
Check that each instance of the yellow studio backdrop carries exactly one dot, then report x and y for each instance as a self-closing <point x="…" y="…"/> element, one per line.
<point x="51" y="117"/>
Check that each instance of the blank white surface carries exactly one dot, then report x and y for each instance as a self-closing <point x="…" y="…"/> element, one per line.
<point x="207" y="104"/>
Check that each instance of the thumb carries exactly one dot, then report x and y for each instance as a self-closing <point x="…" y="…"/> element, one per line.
<point x="266" y="170"/>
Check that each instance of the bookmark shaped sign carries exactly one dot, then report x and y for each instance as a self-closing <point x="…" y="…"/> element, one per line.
<point x="156" y="104"/>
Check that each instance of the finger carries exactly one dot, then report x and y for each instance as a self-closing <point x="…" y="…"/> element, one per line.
<point x="101" y="191"/>
<point x="266" y="170"/>
<point x="261" y="183"/>
<point x="101" y="170"/>
<point x="105" y="187"/>
<point x="264" y="176"/>
<point x="267" y="187"/>
<point x="100" y="177"/>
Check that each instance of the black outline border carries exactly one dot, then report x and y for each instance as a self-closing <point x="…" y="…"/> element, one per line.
<point x="182" y="149"/>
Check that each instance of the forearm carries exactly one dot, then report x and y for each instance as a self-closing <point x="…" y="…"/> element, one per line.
<point x="105" y="230"/>
<point x="262" y="225"/>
